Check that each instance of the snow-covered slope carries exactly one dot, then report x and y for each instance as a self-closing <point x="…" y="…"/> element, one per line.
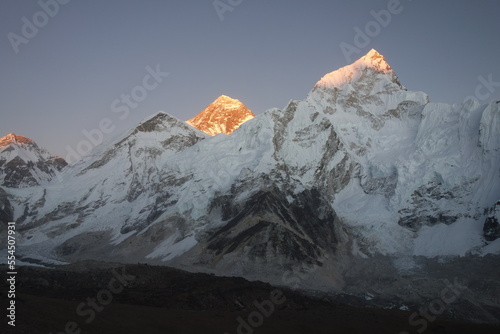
<point x="361" y="175"/>
<point x="117" y="187"/>
<point x="224" y="115"/>
<point x="24" y="164"/>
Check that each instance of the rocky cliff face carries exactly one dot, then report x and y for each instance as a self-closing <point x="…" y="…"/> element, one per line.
<point x="491" y="226"/>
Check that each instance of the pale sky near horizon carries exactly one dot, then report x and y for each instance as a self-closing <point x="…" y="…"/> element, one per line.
<point x="65" y="69"/>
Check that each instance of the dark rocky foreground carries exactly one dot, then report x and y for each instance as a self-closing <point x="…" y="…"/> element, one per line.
<point x="97" y="297"/>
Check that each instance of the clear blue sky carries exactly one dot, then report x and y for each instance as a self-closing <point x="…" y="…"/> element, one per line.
<point x="64" y="78"/>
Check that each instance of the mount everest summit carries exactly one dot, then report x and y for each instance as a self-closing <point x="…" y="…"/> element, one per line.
<point x="224" y="115"/>
<point x="362" y="187"/>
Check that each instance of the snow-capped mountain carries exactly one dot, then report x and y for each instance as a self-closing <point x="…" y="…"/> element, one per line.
<point x="363" y="186"/>
<point x="98" y="190"/>
<point x="24" y="164"/>
<point x="224" y="115"/>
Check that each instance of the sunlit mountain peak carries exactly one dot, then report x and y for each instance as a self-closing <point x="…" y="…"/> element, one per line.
<point x="24" y="164"/>
<point x="12" y="138"/>
<point x="224" y="115"/>
<point x="373" y="61"/>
